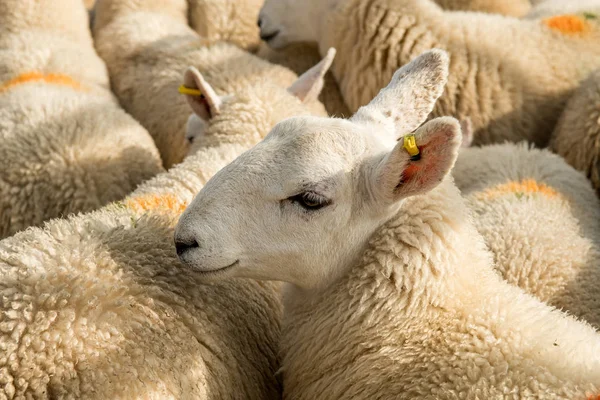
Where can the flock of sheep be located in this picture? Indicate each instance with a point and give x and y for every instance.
(162, 169)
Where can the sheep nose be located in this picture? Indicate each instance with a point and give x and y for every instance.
(182, 246)
(259, 23)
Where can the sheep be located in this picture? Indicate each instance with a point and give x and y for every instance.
(515, 8)
(541, 220)
(95, 306)
(145, 44)
(578, 130)
(67, 146)
(391, 292)
(507, 95)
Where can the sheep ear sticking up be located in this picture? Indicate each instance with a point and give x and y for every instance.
(398, 175)
(308, 86)
(404, 104)
(205, 106)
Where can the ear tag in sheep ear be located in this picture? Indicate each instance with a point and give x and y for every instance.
(410, 145)
(190, 91)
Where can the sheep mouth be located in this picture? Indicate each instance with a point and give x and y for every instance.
(269, 36)
(219, 271)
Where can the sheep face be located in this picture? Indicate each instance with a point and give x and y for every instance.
(301, 205)
(283, 22)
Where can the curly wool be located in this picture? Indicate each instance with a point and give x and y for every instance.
(67, 146)
(540, 218)
(507, 96)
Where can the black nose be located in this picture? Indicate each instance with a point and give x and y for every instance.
(183, 246)
(259, 23)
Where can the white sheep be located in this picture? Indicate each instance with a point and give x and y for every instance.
(393, 293)
(541, 220)
(512, 77)
(66, 145)
(577, 134)
(145, 46)
(96, 306)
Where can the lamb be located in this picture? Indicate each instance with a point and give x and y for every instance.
(391, 290)
(67, 146)
(577, 134)
(96, 306)
(541, 220)
(507, 95)
(154, 44)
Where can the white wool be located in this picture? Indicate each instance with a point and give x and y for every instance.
(67, 146)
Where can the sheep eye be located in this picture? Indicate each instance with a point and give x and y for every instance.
(310, 201)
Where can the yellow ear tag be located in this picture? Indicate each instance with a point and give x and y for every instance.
(410, 144)
(189, 91)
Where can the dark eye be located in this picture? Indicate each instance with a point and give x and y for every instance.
(310, 200)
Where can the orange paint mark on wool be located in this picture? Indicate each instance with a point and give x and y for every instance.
(567, 24)
(53, 79)
(519, 189)
(166, 202)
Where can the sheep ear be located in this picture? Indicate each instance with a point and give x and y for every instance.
(399, 175)
(308, 86)
(466, 126)
(404, 104)
(207, 105)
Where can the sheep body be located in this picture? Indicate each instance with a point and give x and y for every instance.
(149, 41)
(507, 95)
(539, 217)
(67, 146)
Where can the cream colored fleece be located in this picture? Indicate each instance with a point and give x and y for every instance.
(424, 316)
(67, 146)
(96, 306)
(577, 135)
(147, 50)
(541, 220)
(510, 77)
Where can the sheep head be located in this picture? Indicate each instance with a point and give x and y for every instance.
(301, 205)
(259, 106)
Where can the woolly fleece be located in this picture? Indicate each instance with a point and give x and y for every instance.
(540, 218)
(511, 77)
(67, 146)
(97, 306)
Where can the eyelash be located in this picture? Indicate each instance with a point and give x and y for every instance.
(310, 201)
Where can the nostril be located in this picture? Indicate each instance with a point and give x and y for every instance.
(183, 246)
(259, 23)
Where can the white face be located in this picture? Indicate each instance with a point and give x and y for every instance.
(301, 205)
(283, 22)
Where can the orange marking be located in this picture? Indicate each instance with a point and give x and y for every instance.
(519, 189)
(54, 79)
(567, 24)
(166, 202)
